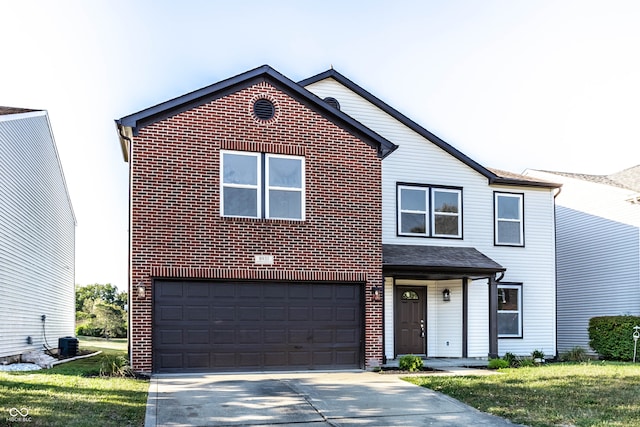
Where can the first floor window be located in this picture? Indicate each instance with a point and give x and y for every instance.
(247, 179)
(510, 310)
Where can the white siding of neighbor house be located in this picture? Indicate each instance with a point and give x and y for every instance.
(598, 247)
(420, 161)
(37, 233)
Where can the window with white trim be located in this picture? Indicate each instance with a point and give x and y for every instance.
(509, 219)
(259, 185)
(510, 310)
(426, 211)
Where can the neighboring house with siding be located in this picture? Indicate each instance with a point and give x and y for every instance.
(598, 249)
(37, 236)
(282, 225)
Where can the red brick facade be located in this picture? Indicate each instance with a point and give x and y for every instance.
(177, 229)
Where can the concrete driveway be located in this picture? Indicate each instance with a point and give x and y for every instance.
(294, 399)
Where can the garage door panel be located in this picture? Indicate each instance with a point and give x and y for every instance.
(196, 290)
(222, 313)
(277, 314)
(249, 314)
(299, 314)
(211, 326)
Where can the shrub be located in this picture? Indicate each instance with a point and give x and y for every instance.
(512, 359)
(537, 354)
(611, 336)
(498, 364)
(576, 354)
(115, 366)
(526, 362)
(410, 363)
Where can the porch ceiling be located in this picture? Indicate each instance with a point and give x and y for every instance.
(437, 262)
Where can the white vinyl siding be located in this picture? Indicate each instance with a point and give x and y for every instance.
(37, 233)
(598, 247)
(417, 160)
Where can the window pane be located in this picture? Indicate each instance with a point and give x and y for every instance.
(413, 200)
(508, 299)
(509, 232)
(285, 204)
(285, 172)
(508, 324)
(446, 224)
(445, 201)
(239, 169)
(410, 295)
(413, 223)
(508, 207)
(240, 201)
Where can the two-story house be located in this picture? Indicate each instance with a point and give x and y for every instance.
(282, 225)
(598, 248)
(468, 252)
(37, 236)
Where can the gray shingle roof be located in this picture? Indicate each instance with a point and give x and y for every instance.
(451, 261)
(628, 179)
(13, 110)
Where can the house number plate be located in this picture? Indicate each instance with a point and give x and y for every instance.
(263, 259)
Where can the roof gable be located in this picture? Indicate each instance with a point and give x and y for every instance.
(130, 125)
(492, 175)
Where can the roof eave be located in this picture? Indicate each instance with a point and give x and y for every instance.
(497, 180)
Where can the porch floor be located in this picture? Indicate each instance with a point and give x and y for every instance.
(444, 363)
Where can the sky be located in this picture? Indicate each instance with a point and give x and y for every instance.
(545, 84)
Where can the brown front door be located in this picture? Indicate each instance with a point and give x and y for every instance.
(410, 320)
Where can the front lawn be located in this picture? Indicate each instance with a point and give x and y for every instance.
(71, 394)
(559, 394)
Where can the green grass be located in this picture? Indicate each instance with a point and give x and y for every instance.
(562, 394)
(70, 394)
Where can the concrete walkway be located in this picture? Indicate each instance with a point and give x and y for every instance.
(294, 399)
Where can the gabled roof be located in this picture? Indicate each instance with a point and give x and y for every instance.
(130, 125)
(494, 178)
(629, 179)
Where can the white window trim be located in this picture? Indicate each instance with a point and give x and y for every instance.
(301, 190)
(520, 220)
(434, 213)
(518, 287)
(410, 211)
(257, 187)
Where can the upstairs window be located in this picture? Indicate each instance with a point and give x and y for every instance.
(247, 179)
(509, 219)
(429, 211)
(510, 310)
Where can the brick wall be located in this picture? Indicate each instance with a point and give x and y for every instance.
(177, 230)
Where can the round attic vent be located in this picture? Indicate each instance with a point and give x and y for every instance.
(264, 109)
(333, 102)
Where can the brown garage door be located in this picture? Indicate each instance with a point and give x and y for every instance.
(241, 326)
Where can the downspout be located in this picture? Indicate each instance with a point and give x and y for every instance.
(127, 154)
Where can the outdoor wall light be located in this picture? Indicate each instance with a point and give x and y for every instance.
(377, 293)
(446, 295)
(142, 291)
